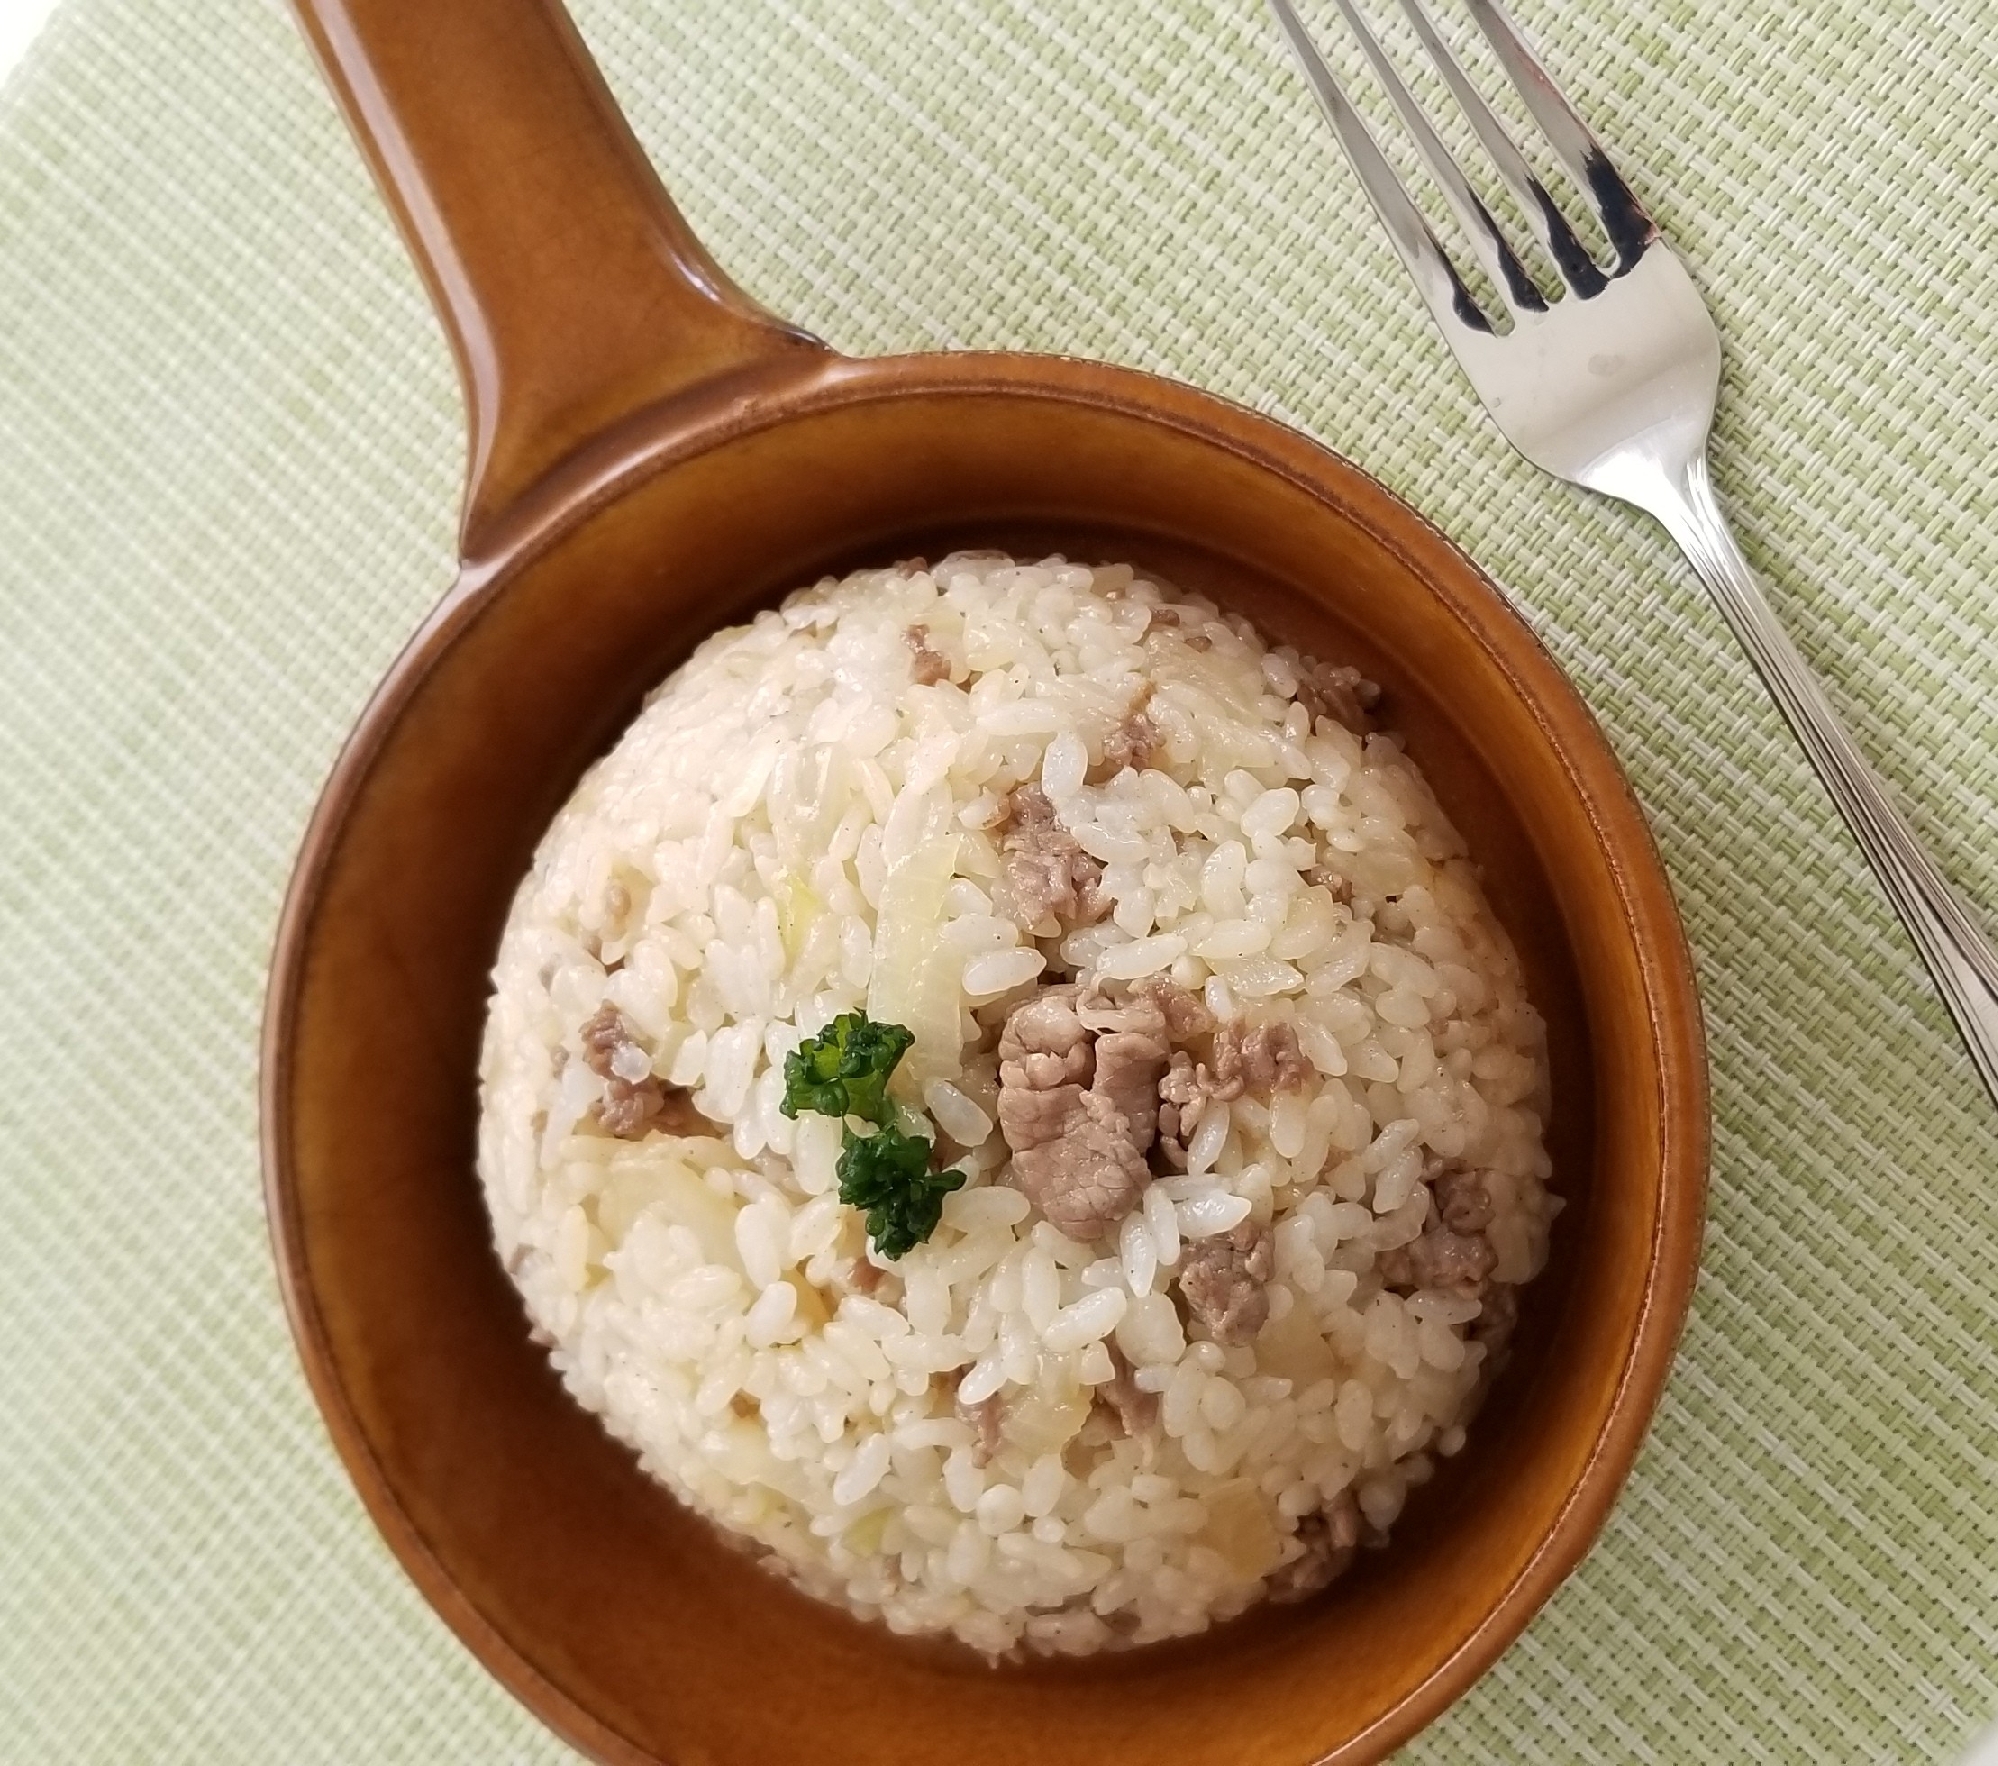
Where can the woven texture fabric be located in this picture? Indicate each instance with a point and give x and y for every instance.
(229, 445)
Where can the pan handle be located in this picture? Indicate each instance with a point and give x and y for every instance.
(573, 293)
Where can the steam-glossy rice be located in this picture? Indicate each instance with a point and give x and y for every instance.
(792, 829)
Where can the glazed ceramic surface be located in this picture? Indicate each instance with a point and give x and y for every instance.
(652, 457)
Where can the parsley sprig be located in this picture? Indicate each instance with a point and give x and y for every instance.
(844, 1072)
(888, 1173)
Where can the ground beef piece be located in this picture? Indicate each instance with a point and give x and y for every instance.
(1135, 1409)
(1463, 1203)
(1043, 873)
(1330, 1538)
(1186, 1014)
(1440, 1259)
(603, 1035)
(1223, 1280)
(1132, 744)
(1324, 877)
(633, 1096)
(1089, 1175)
(1261, 1058)
(1495, 1323)
(635, 1099)
(1078, 1155)
(1342, 694)
(1128, 1064)
(1188, 621)
(1180, 1098)
(926, 666)
(627, 1110)
(1130, 1053)
(1186, 1086)
(677, 1114)
(1044, 1039)
(988, 1421)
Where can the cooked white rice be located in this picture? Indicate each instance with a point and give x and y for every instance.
(720, 878)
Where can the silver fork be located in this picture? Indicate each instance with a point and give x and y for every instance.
(1612, 386)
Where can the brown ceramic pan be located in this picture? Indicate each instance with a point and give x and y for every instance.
(652, 456)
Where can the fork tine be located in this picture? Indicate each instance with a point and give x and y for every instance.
(1629, 228)
(1570, 255)
(1436, 277)
(1487, 240)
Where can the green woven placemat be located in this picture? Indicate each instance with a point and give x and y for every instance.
(229, 442)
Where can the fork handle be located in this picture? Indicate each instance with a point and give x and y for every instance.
(1958, 954)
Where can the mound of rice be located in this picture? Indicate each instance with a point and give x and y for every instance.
(1007, 1435)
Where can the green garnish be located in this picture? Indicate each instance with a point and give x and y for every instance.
(888, 1173)
(843, 1071)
